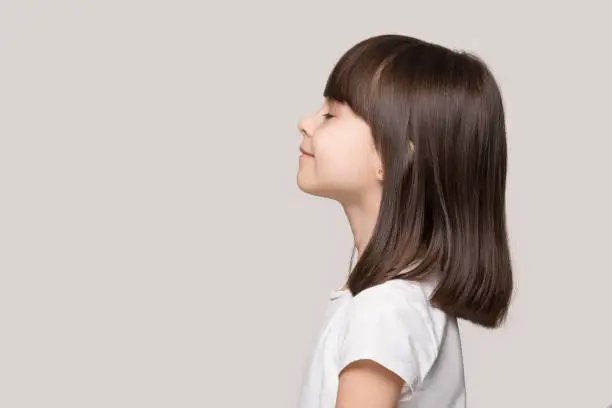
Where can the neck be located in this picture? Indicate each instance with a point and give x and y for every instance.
(362, 216)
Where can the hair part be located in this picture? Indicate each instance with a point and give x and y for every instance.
(443, 203)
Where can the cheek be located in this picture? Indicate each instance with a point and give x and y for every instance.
(343, 157)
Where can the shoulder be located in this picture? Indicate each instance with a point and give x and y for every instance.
(393, 324)
(400, 307)
(395, 294)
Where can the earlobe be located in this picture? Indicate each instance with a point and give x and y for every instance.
(379, 174)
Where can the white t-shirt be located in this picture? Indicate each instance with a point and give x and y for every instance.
(394, 324)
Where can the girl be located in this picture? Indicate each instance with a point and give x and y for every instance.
(411, 141)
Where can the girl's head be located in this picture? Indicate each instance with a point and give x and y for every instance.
(422, 127)
(345, 164)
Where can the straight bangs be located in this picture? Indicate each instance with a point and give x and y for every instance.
(356, 77)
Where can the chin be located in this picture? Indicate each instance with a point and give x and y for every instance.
(307, 186)
(310, 187)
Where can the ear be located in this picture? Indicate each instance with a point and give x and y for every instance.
(378, 165)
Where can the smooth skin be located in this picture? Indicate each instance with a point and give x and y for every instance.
(367, 384)
(347, 168)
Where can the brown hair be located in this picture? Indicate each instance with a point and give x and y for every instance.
(443, 204)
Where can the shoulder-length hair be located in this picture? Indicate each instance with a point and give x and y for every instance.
(437, 120)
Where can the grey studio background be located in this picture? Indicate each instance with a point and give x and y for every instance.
(155, 250)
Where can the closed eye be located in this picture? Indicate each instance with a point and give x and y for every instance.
(328, 115)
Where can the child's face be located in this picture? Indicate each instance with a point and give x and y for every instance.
(345, 163)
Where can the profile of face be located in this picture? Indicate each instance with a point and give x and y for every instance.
(339, 159)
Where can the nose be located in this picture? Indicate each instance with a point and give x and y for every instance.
(304, 126)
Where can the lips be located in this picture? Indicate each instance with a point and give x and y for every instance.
(306, 152)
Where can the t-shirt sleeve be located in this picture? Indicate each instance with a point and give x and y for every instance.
(386, 327)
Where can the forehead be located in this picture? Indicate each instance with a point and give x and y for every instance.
(334, 104)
